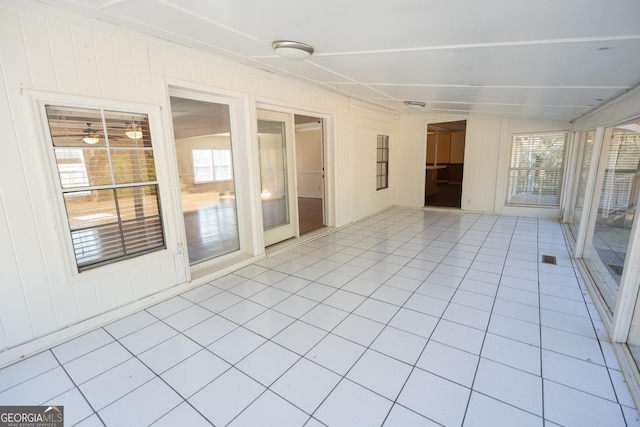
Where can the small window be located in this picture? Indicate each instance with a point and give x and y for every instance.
(536, 169)
(211, 165)
(382, 172)
(108, 183)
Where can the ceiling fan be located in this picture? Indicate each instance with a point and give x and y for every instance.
(90, 136)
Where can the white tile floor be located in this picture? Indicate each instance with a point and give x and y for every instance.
(408, 318)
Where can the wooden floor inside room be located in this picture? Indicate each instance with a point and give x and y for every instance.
(310, 214)
(446, 195)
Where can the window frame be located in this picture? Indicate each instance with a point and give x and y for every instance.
(76, 275)
(536, 169)
(382, 162)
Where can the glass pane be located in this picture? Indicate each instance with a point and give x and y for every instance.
(582, 181)
(98, 244)
(605, 255)
(138, 202)
(536, 169)
(535, 187)
(75, 127)
(202, 165)
(133, 166)
(273, 173)
(201, 129)
(127, 130)
(87, 209)
(142, 234)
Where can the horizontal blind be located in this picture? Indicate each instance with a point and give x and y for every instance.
(536, 168)
(621, 173)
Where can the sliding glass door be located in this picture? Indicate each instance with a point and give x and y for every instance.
(202, 134)
(585, 167)
(605, 252)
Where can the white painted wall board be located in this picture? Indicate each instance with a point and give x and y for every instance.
(64, 58)
(105, 292)
(13, 307)
(143, 75)
(480, 164)
(86, 61)
(36, 39)
(108, 76)
(123, 286)
(123, 61)
(87, 299)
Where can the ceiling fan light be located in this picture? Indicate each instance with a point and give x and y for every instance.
(91, 139)
(415, 105)
(133, 134)
(292, 50)
(134, 131)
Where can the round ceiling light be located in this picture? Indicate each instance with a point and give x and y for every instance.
(295, 51)
(415, 105)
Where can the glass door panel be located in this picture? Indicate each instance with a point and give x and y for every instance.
(605, 254)
(202, 134)
(585, 165)
(277, 176)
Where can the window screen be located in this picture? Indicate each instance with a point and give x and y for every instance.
(108, 183)
(536, 169)
(382, 172)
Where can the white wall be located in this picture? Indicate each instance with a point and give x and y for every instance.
(367, 125)
(46, 53)
(510, 127)
(486, 152)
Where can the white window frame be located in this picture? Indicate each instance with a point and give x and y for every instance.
(39, 100)
(560, 170)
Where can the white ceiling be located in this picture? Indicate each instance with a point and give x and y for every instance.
(554, 59)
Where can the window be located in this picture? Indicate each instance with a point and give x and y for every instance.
(536, 169)
(108, 183)
(382, 173)
(211, 165)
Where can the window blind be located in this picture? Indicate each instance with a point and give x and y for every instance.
(536, 169)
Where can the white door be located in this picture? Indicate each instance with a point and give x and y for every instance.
(277, 176)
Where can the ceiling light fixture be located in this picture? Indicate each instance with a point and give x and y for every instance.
(134, 131)
(295, 51)
(415, 105)
(90, 136)
(91, 139)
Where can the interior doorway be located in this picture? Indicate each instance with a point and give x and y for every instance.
(309, 172)
(444, 166)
